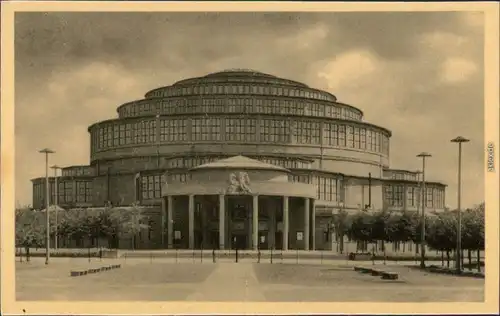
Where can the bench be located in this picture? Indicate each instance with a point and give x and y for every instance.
(359, 256)
(78, 273)
(376, 272)
(363, 269)
(389, 276)
(97, 270)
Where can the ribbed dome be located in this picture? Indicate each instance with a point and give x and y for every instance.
(239, 72)
(239, 75)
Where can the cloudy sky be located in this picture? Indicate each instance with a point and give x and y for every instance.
(417, 74)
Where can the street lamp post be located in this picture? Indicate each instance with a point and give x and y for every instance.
(419, 202)
(423, 196)
(47, 151)
(56, 198)
(458, 262)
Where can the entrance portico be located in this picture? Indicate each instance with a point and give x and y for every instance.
(238, 203)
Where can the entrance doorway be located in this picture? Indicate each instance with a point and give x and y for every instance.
(239, 241)
(240, 208)
(263, 240)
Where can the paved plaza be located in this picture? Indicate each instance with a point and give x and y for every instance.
(196, 280)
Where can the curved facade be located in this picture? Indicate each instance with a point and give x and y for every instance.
(321, 141)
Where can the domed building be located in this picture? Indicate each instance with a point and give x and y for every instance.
(239, 159)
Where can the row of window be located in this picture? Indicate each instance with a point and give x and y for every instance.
(67, 192)
(266, 130)
(237, 105)
(124, 165)
(151, 185)
(254, 89)
(328, 189)
(77, 171)
(141, 132)
(395, 196)
(400, 176)
(190, 162)
(355, 137)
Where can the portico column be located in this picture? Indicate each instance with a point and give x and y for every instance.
(170, 222)
(313, 224)
(191, 221)
(222, 220)
(272, 224)
(306, 224)
(255, 223)
(285, 223)
(163, 219)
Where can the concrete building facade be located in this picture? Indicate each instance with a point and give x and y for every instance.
(303, 155)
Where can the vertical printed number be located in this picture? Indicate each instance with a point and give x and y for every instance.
(491, 157)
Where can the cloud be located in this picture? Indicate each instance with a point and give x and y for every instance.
(308, 38)
(349, 68)
(419, 74)
(455, 70)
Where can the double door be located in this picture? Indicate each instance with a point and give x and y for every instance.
(239, 241)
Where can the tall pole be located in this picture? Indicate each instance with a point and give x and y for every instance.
(458, 252)
(47, 151)
(423, 155)
(56, 203)
(459, 206)
(419, 200)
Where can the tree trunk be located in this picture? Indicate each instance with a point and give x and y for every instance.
(404, 247)
(469, 255)
(341, 240)
(373, 254)
(478, 260)
(27, 254)
(385, 254)
(462, 258)
(442, 258)
(447, 258)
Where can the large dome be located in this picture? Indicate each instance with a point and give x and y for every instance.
(242, 91)
(240, 75)
(243, 112)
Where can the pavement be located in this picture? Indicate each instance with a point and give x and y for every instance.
(226, 281)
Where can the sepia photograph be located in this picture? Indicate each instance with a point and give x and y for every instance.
(251, 156)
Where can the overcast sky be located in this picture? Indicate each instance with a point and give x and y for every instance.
(418, 74)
